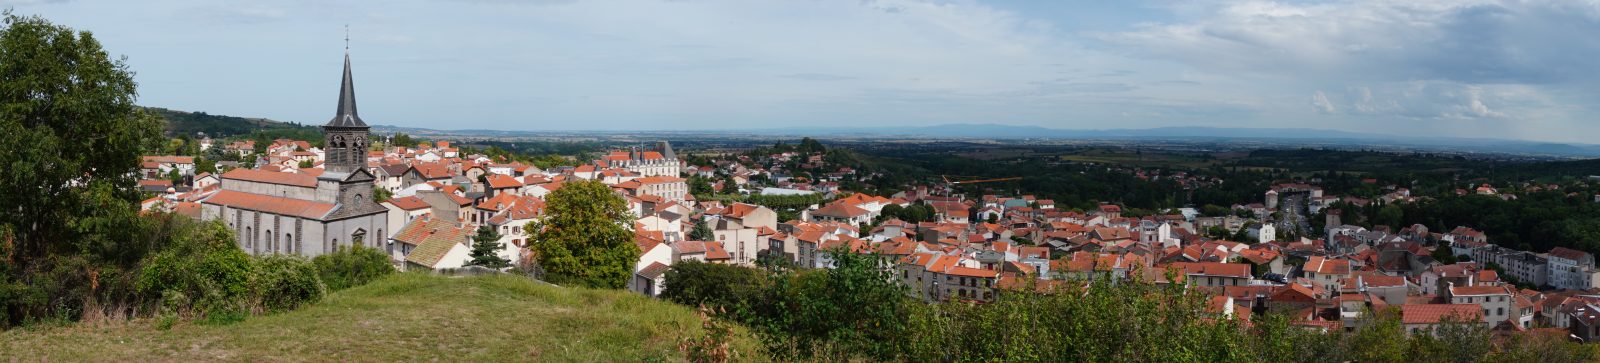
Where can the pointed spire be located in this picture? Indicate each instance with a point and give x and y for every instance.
(346, 115)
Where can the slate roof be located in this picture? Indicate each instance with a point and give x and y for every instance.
(346, 115)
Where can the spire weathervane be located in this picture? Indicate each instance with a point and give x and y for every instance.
(347, 38)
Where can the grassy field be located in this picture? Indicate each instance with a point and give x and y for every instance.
(406, 317)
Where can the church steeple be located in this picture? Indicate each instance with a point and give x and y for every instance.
(345, 136)
(346, 115)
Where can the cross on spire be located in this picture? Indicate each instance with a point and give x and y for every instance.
(347, 38)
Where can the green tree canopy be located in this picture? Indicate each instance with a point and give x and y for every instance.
(584, 237)
(72, 134)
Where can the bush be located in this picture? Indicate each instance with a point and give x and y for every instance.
(284, 282)
(350, 267)
(727, 288)
(199, 273)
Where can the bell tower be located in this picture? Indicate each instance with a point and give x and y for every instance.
(345, 136)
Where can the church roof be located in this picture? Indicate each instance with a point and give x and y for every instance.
(271, 177)
(346, 115)
(270, 204)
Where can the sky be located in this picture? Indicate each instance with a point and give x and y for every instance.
(1517, 69)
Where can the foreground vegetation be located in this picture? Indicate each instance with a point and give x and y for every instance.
(857, 312)
(402, 317)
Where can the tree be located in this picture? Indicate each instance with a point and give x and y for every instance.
(73, 134)
(380, 194)
(700, 186)
(729, 186)
(1443, 254)
(486, 249)
(403, 140)
(1389, 215)
(701, 231)
(584, 237)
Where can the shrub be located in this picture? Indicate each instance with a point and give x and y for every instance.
(200, 272)
(284, 282)
(349, 267)
(727, 288)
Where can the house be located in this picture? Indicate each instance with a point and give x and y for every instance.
(1213, 273)
(667, 187)
(1585, 322)
(166, 164)
(206, 180)
(1426, 318)
(1263, 261)
(649, 273)
(844, 213)
(971, 284)
(1525, 266)
(650, 280)
(434, 243)
(1329, 273)
(1572, 269)
(1496, 301)
(403, 210)
(702, 251)
(745, 215)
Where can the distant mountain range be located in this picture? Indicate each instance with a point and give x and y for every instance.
(181, 122)
(1320, 136)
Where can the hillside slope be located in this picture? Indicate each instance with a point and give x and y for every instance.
(189, 123)
(406, 317)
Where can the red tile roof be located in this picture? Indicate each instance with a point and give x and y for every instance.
(270, 204)
(498, 181)
(271, 177)
(1434, 313)
(840, 211)
(1214, 269)
(972, 272)
(407, 203)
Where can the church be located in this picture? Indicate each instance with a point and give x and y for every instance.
(308, 214)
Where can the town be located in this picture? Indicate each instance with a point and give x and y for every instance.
(170, 235)
(291, 198)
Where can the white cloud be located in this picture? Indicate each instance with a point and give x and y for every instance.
(1515, 62)
(1320, 101)
(1364, 65)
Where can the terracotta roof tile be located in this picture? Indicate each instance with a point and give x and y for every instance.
(271, 177)
(271, 204)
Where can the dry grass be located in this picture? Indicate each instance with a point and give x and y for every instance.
(406, 317)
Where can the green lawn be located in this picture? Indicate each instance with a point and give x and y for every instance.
(406, 317)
